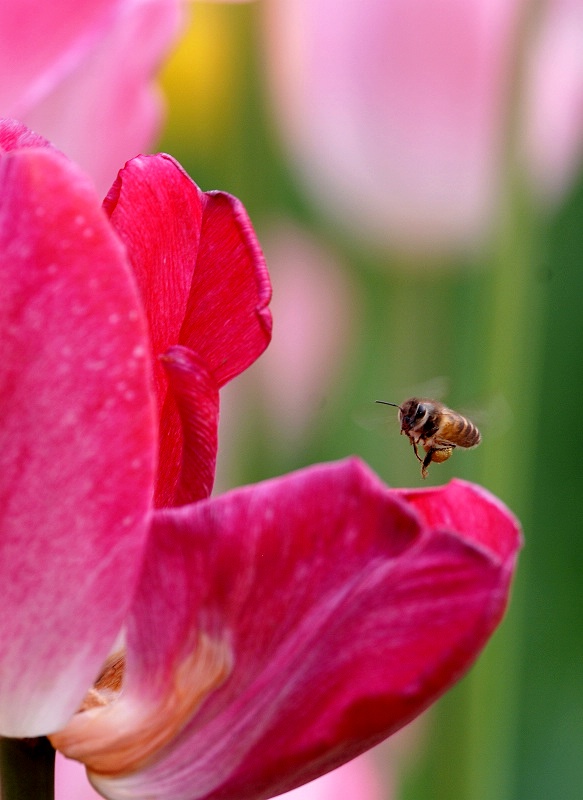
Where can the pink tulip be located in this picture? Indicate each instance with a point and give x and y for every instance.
(397, 112)
(269, 634)
(553, 117)
(82, 74)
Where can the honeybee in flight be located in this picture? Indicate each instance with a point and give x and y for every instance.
(438, 429)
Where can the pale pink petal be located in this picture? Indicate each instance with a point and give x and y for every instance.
(71, 781)
(356, 780)
(77, 434)
(106, 109)
(42, 42)
(202, 276)
(295, 624)
(394, 111)
(553, 120)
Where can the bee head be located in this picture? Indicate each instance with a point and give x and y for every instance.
(412, 415)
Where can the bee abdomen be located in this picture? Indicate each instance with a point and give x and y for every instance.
(463, 432)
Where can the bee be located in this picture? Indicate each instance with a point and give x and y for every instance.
(438, 429)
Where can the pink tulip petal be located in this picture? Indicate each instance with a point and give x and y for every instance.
(157, 211)
(295, 623)
(201, 273)
(459, 506)
(41, 42)
(213, 266)
(78, 97)
(228, 321)
(197, 397)
(77, 439)
(14, 136)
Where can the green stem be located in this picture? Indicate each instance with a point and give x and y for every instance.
(27, 769)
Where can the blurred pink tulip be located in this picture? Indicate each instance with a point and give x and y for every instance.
(396, 111)
(356, 780)
(269, 634)
(82, 74)
(553, 119)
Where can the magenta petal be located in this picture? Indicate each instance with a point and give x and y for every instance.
(187, 465)
(77, 439)
(198, 264)
(295, 623)
(460, 506)
(228, 322)
(157, 211)
(202, 277)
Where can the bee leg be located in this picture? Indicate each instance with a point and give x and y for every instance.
(426, 462)
(416, 453)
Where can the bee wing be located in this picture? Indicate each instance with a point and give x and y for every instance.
(492, 417)
(436, 388)
(373, 416)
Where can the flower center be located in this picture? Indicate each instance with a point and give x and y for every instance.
(120, 728)
(108, 685)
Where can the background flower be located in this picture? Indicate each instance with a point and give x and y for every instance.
(82, 74)
(397, 114)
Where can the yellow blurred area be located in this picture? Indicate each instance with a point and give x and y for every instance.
(201, 79)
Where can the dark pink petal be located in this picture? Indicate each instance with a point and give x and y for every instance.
(294, 624)
(190, 473)
(227, 320)
(198, 264)
(460, 506)
(77, 439)
(201, 274)
(157, 212)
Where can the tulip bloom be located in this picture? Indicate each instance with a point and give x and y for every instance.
(183, 646)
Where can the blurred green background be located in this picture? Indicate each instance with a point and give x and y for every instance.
(505, 335)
